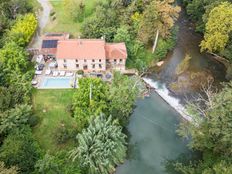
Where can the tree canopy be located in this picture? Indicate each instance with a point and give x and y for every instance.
(101, 146)
(218, 28)
(90, 99)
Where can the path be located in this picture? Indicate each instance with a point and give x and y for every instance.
(43, 21)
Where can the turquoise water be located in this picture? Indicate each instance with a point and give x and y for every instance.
(153, 138)
(56, 82)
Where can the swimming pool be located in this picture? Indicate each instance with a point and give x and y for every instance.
(57, 82)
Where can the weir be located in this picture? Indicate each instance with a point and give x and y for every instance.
(163, 92)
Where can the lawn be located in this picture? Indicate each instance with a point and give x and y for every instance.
(51, 108)
(63, 22)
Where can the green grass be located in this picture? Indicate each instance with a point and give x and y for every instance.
(51, 108)
(63, 22)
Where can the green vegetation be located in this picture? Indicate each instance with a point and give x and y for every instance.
(101, 146)
(62, 20)
(52, 108)
(89, 99)
(210, 133)
(212, 18)
(20, 149)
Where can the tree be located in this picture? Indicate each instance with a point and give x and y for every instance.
(210, 132)
(158, 18)
(14, 57)
(103, 24)
(20, 149)
(89, 99)
(4, 170)
(75, 9)
(23, 30)
(122, 96)
(101, 146)
(218, 28)
(14, 118)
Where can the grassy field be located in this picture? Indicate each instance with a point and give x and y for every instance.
(63, 22)
(51, 108)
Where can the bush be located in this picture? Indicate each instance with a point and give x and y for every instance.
(80, 72)
(20, 149)
(63, 133)
(33, 120)
(184, 65)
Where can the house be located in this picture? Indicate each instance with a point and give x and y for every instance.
(87, 54)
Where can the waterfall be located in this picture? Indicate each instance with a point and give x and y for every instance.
(163, 92)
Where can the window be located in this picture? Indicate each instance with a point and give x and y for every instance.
(76, 60)
(100, 66)
(85, 60)
(65, 61)
(100, 60)
(115, 60)
(65, 66)
(120, 60)
(85, 67)
(93, 66)
(77, 65)
(93, 60)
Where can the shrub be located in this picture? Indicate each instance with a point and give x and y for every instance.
(20, 149)
(80, 72)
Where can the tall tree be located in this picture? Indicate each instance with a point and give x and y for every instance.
(14, 57)
(101, 146)
(210, 132)
(218, 28)
(20, 149)
(89, 99)
(158, 18)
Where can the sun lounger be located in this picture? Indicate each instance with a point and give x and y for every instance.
(62, 73)
(34, 82)
(69, 74)
(48, 72)
(38, 72)
(55, 73)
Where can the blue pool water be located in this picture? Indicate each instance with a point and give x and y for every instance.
(57, 82)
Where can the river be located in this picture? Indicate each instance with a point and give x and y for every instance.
(153, 138)
(152, 126)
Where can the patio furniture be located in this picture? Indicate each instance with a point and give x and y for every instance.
(38, 72)
(52, 65)
(55, 73)
(48, 72)
(70, 74)
(39, 58)
(62, 73)
(34, 82)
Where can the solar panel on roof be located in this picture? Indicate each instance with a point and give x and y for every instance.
(49, 44)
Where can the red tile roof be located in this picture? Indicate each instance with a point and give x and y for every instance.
(81, 49)
(116, 51)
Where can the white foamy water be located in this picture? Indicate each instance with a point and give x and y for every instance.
(163, 92)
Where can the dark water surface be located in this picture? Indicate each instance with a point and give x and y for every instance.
(153, 138)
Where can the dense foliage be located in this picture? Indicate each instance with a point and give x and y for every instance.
(101, 146)
(89, 99)
(213, 19)
(211, 133)
(20, 149)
